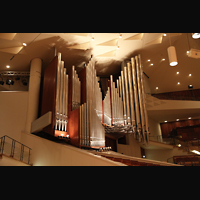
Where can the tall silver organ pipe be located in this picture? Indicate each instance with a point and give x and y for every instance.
(61, 96)
(107, 108)
(144, 101)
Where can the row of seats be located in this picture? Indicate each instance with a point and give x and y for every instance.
(187, 160)
(129, 162)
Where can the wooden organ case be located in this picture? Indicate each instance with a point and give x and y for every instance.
(75, 101)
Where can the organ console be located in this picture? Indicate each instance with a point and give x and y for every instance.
(77, 107)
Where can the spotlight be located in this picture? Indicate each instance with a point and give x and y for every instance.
(9, 82)
(24, 82)
(190, 86)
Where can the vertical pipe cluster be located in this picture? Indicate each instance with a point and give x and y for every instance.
(107, 108)
(76, 90)
(91, 130)
(116, 103)
(127, 101)
(61, 96)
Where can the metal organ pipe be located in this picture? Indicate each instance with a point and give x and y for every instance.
(127, 95)
(131, 95)
(144, 102)
(124, 96)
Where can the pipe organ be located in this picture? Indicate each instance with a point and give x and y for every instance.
(126, 104)
(78, 112)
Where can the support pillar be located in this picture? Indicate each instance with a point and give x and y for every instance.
(34, 91)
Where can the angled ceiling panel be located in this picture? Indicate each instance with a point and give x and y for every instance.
(7, 36)
(138, 36)
(83, 46)
(109, 43)
(108, 54)
(79, 34)
(156, 41)
(12, 50)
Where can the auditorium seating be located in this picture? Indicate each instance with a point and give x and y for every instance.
(190, 160)
(129, 160)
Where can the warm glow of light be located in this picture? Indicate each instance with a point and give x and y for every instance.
(195, 151)
(173, 63)
(7, 66)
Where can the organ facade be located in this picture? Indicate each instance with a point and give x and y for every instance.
(78, 111)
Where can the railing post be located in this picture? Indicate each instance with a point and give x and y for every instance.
(29, 156)
(2, 144)
(12, 148)
(22, 152)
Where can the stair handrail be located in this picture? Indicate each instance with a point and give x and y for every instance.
(2, 142)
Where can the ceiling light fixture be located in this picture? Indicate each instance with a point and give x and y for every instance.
(164, 34)
(190, 74)
(163, 59)
(156, 88)
(172, 56)
(24, 44)
(120, 35)
(7, 66)
(190, 86)
(165, 121)
(177, 120)
(189, 117)
(151, 64)
(149, 60)
(9, 82)
(177, 72)
(178, 83)
(195, 35)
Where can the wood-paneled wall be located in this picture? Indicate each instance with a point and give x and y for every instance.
(193, 95)
(49, 93)
(167, 127)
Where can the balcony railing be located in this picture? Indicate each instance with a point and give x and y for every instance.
(15, 149)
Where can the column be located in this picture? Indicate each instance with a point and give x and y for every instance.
(34, 91)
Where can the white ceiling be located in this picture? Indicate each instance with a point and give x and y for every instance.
(161, 75)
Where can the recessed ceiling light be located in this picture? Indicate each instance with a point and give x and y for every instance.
(156, 88)
(7, 66)
(149, 60)
(178, 83)
(163, 59)
(189, 117)
(24, 44)
(151, 64)
(165, 121)
(177, 119)
(190, 86)
(188, 52)
(190, 74)
(164, 34)
(177, 72)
